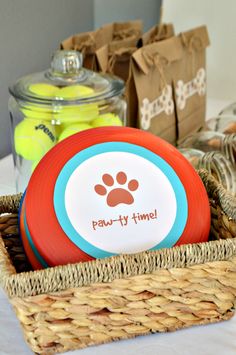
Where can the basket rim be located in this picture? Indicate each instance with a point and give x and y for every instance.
(225, 199)
(59, 278)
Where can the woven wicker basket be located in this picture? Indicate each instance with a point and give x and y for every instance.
(74, 306)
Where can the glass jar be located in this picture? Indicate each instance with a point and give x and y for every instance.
(229, 110)
(192, 155)
(49, 106)
(217, 165)
(222, 124)
(209, 141)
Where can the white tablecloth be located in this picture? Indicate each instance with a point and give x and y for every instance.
(214, 339)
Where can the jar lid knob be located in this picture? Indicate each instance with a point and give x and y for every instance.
(66, 62)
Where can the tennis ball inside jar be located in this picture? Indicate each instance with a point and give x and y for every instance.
(72, 129)
(107, 119)
(34, 138)
(48, 106)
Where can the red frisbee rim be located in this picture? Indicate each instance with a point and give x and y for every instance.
(47, 234)
(28, 250)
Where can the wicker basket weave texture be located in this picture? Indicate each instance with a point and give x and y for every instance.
(74, 306)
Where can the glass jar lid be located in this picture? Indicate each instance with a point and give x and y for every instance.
(67, 82)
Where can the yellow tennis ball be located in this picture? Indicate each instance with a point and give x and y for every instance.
(73, 129)
(107, 119)
(58, 130)
(34, 164)
(73, 91)
(43, 89)
(75, 113)
(33, 138)
(58, 111)
(41, 113)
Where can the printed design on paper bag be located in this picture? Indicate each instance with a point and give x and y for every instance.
(163, 103)
(195, 86)
(118, 194)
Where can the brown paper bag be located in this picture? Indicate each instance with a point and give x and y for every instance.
(90, 42)
(87, 43)
(115, 57)
(129, 29)
(156, 33)
(189, 77)
(151, 83)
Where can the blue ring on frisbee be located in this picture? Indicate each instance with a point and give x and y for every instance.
(19, 212)
(31, 243)
(72, 164)
(28, 250)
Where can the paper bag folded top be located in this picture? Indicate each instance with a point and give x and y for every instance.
(157, 33)
(89, 42)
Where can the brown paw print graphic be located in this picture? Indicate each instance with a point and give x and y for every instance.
(117, 195)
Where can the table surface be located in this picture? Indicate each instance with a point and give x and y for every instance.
(212, 339)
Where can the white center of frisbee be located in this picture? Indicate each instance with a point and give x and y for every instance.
(120, 202)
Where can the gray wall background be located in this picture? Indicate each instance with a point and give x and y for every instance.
(106, 11)
(30, 30)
